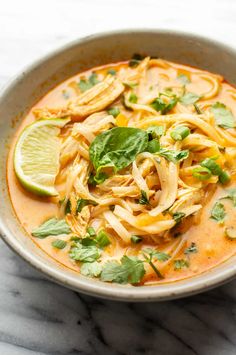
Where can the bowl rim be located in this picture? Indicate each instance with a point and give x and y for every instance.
(91, 287)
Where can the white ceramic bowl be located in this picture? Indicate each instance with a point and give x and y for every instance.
(21, 94)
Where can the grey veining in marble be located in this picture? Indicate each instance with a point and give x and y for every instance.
(38, 317)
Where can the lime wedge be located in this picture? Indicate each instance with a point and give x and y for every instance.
(36, 156)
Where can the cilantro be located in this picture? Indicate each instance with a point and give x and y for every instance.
(174, 156)
(156, 254)
(197, 109)
(93, 269)
(85, 85)
(161, 106)
(231, 196)
(143, 199)
(85, 253)
(68, 207)
(223, 116)
(178, 216)
(184, 79)
(81, 203)
(59, 244)
(136, 59)
(189, 98)
(218, 212)
(129, 269)
(180, 264)
(111, 71)
(52, 226)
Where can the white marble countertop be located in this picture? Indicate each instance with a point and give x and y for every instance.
(39, 317)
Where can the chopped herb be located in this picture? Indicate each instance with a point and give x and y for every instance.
(59, 244)
(85, 253)
(74, 238)
(114, 111)
(111, 71)
(136, 59)
(155, 131)
(197, 109)
(189, 98)
(178, 216)
(93, 269)
(112, 207)
(184, 79)
(133, 98)
(85, 85)
(179, 133)
(129, 269)
(174, 156)
(143, 199)
(81, 203)
(218, 212)
(156, 254)
(230, 233)
(150, 254)
(223, 116)
(161, 106)
(201, 173)
(192, 249)
(231, 196)
(52, 226)
(136, 239)
(102, 239)
(180, 264)
(91, 231)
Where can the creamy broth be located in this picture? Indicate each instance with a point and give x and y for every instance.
(198, 230)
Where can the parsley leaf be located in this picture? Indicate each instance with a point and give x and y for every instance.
(130, 269)
(91, 269)
(189, 98)
(52, 226)
(180, 264)
(218, 212)
(223, 116)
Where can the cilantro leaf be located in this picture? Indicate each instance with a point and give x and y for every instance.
(189, 98)
(223, 116)
(59, 244)
(156, 254)
(136, 59)
(161, 106)
(85, 85)
(218, 212)
(130, 269)
(178, 216)
(174, 156)
(52, 226)
(114, 111)
(81, 203)
(91, 269)
(84, 253)
(231, 196)
(183, 78)
(143, 199)
(180, 264)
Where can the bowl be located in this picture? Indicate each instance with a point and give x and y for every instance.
(36, 80)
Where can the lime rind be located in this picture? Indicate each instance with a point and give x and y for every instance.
(36, 156)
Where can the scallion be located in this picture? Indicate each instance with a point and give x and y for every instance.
(179, 133)
(201, 173)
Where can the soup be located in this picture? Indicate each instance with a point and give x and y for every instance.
(126, 172)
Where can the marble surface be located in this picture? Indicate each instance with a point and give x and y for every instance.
(39, 317)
